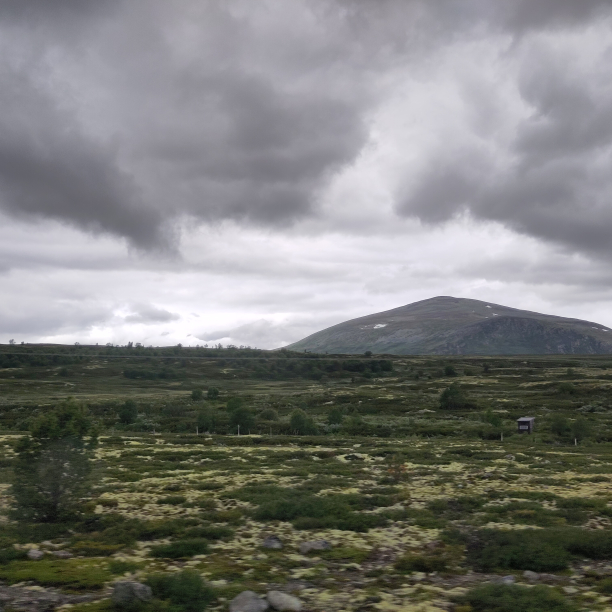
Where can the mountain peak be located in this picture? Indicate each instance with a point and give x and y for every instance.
(447, 325)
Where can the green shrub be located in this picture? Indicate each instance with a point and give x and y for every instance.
(210, 532)
(128, 412)
(532, 550)
(186, 591)
(454, 398)
(212, 393)
(268, 415)
(514, 598)
(180, 549)
(197, 395)
(420, 563)
(301, 424)
(335, 416)
(11, 554)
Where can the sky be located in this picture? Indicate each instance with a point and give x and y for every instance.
(248, 173)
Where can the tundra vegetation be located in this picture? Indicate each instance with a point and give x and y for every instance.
(410, 467)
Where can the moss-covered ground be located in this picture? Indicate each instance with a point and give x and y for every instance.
(421, 505)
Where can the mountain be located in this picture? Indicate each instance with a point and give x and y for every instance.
(456, 326)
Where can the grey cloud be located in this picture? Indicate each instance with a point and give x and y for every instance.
(555, 180)
(150, 315)
(49, 169)
(127, 116)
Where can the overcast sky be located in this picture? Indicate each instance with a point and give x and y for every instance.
(250, 172)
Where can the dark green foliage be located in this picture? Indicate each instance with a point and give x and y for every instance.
(580, 428)
(121, 567)
(185, 591)
(53, 465)
(301, 424)
(210, 532)
(567, 388)
(212, 393)
(559, 425)
(180, 549)
(128, 412)
(206, 421)
(514, 598)
(241, 417)
(335, 416)
(197, 395)
(11, 554)
(268, 414)
(449, 370)
(309, 512)
(454, 398)
(539, 550)
(233, 404)
(420, 563)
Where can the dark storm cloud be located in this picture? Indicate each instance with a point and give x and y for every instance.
(49, 169)
(122, 117)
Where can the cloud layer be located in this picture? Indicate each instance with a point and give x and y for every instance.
(269, 166)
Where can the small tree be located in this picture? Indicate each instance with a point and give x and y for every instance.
(301, 423)
(454, 398)
(212, 393)
(580, 429)
(449, 370)
(233, 404)
(128, 412)
(559, 425)
(335, 416)
(197, 395)
(53, 464)
(206, 421)
(242, 418)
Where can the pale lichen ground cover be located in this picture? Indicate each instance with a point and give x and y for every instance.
(368, 581)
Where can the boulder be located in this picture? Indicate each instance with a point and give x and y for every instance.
(62, 554)
(35, 554)
(127, 593)
(306, 547)
(531, 576)
(283, 602)
(248, 601)
(509, 457)
(507, 580)
(273, 542)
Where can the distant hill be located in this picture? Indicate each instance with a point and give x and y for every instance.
(456, 326)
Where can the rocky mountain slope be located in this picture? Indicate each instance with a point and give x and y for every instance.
(456, 326)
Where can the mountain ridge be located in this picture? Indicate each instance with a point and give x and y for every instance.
(445, 325)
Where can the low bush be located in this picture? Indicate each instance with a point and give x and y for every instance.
(210, 532)
(185, 591)
(118, 568)
(420, 563)
(180, 549)
(513, 598)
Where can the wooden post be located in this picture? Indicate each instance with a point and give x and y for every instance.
(238, 429)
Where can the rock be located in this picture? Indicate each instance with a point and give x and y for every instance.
(127, 592)
(509, 457)
(248, 601)
(35, 554)
(306, 547)
(273, 542)
(531, 576)
(62, 554)
(283, 602)
(507, 580)
(434, 545)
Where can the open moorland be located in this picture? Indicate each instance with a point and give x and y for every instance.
(236, 464)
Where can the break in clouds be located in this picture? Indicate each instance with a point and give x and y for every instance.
(155, 123)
